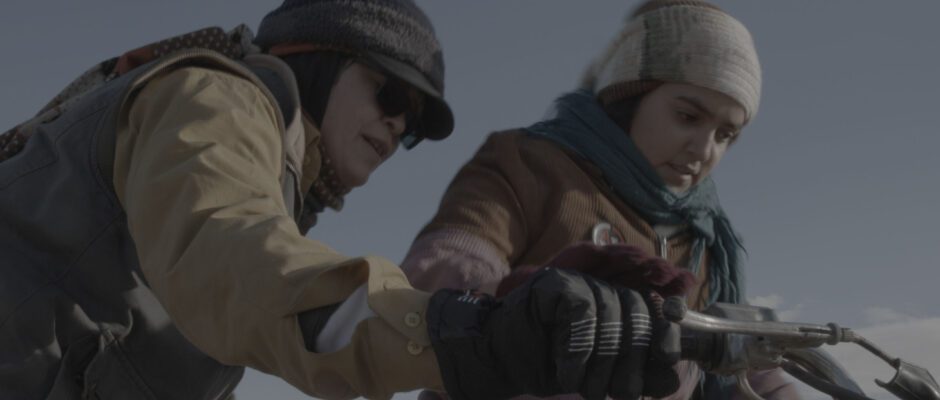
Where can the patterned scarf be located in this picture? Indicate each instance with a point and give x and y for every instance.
(581, 125)
(326, 191)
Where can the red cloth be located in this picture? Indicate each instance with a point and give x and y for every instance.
(619, 264)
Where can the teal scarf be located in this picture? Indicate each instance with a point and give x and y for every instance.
(579, 124)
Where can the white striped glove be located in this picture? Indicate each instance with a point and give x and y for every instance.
(560, 332)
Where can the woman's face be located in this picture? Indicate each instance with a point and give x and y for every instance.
(356, 132)
(684, 130)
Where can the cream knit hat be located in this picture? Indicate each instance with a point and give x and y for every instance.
(681, 41)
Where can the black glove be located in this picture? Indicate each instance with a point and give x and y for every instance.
(560, 332)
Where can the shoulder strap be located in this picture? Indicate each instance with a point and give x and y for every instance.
(278, 88)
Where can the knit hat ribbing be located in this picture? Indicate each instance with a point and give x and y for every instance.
(681, 41)
(395, 34)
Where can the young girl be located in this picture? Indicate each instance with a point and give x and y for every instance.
(624, 159)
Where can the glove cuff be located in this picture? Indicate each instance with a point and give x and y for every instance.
(455, 324)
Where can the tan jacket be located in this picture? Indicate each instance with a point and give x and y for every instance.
(198, 163)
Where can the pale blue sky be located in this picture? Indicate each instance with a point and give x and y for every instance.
(834, 185)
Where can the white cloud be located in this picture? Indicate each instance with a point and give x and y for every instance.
(776, 302)
(791, 314)
(883, 315)
(770, 301)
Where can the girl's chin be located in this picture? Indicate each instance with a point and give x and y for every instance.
(678, 187)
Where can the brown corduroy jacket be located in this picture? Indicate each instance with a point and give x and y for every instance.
(522, 199)
(527, 199)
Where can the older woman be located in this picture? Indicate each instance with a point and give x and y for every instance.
(625, 159)
(154, 215)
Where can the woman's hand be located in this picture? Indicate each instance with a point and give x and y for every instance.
(560, 332)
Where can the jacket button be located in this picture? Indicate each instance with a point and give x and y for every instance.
(412, 319)
(414, 348)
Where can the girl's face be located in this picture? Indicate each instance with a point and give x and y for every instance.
(684, 130)
(357, 133)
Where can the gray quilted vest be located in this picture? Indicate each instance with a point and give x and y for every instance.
(77, 320)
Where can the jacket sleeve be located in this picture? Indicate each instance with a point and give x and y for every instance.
(198, 162)
(481, 226)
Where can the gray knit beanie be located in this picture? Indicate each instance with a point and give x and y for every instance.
(680, 41)
(394, 34)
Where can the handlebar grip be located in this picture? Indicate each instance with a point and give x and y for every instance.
(700, 347)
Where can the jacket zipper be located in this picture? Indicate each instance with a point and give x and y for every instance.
(663, 234)
(663, 246)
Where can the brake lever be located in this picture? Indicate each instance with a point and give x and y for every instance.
(911, 382)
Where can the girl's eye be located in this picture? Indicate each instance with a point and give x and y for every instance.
(725, 135)
(686, 117)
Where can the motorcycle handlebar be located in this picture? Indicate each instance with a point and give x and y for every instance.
(758, 341)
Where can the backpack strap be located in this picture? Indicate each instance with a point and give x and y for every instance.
(278, 88)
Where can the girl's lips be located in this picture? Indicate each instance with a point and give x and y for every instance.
(683, 170)
(678, 176)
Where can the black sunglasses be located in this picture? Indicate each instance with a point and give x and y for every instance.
(395, 98)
